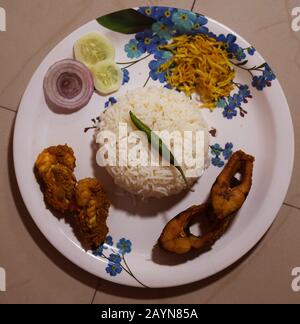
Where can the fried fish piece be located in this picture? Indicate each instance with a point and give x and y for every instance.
(177, 238)
(226, 197)
(93, 207)
(54, 170)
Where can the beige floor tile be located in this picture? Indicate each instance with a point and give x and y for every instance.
(268, 276)
(288, 71)
(263, 276)
(36, 272)
(243, 16)
(35, 26)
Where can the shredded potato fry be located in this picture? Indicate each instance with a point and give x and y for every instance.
(199, 64)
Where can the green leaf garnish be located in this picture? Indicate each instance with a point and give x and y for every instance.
(128, 21)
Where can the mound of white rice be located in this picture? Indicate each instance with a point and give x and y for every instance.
(161, 109)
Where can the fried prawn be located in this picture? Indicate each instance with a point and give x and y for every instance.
(54, 170)
(93, 206)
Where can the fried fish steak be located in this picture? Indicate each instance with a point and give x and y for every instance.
(227, 196)
(177, 238)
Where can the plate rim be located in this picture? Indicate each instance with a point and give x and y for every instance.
(290, 148)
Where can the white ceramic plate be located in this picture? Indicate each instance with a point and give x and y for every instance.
(265, 132)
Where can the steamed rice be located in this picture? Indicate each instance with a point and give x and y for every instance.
(160, 109)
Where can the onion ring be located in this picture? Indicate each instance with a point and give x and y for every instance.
(68, 86)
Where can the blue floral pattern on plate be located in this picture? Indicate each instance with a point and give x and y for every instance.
(171, 22)
(111, 101)
(115, 257)
(220, 155)
(126, 76)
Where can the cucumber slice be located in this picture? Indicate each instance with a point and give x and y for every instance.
(108, 77)
(93, 48)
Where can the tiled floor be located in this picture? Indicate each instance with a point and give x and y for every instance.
(36, 271)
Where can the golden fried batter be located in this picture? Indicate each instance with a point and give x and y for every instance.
(61, 154)
(225, 198)
(59, 186)
(94, 206)
(54, 169)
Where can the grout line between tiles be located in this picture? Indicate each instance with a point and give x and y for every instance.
(7, 109)
(96, 290)
(292, 206)
(193, 5)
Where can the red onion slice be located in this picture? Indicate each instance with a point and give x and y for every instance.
(68, 86)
